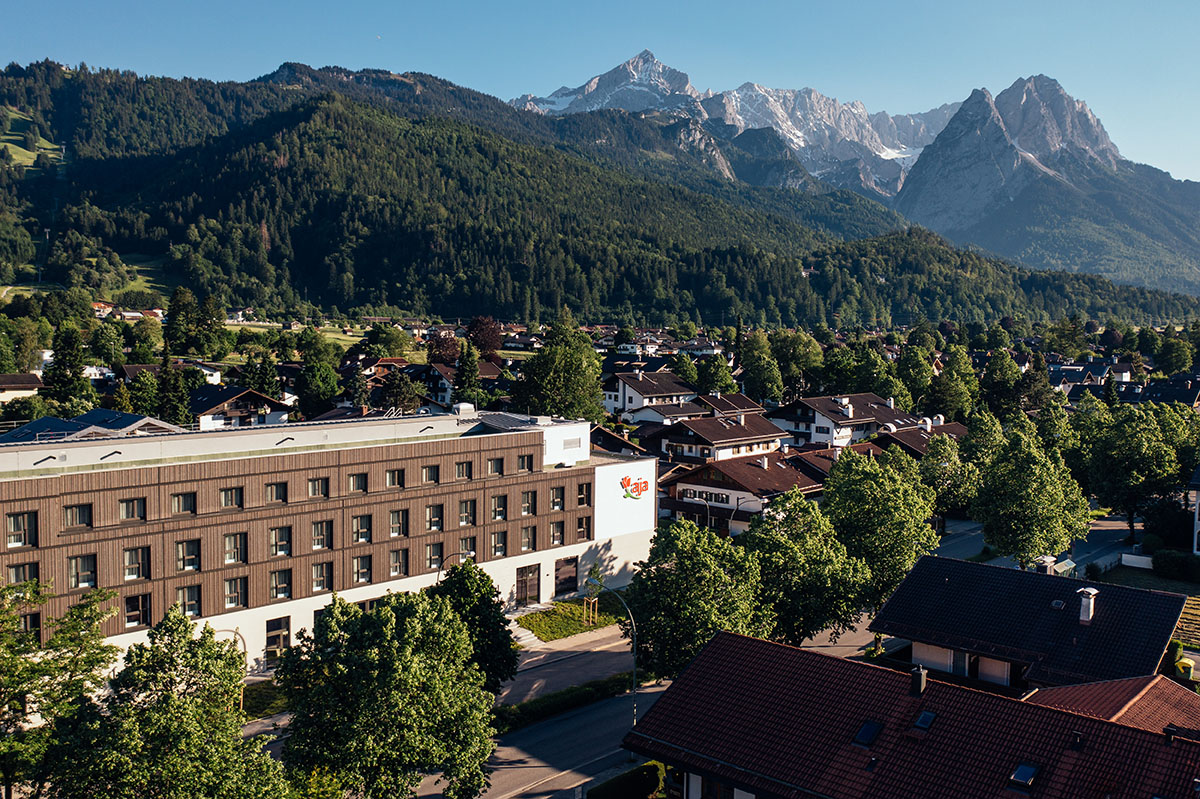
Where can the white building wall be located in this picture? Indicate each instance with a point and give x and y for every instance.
(932, 657)
(994, 671)
(565, 443)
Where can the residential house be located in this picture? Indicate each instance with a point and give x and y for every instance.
(605, 440)
(711, 438)
(915, 440)
(14, 386)
(216, 407)
(703, 405)
(840, 420)
(628, 391)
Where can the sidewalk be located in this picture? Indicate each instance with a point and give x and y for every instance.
(549, 666)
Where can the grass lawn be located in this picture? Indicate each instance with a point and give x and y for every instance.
(262, 699)
(150, 274)
(1188, 630)
(14, 141)
(566, 618)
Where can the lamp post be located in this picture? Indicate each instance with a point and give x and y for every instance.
(707, 512)
(735, 512)
(633, 629)
(246, 653)
(442, 565)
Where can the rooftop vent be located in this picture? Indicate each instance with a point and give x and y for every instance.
(868, 732)
(1045, 564)
(918, 680)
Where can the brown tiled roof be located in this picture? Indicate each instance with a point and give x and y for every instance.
(729, 403)
(655, 384)
(718, 430)
(866, 408)
(818, 462)
(778, 721)
(1149, 703)
(915, 440)
(748, 474)
(1032, 619)
(20, 380)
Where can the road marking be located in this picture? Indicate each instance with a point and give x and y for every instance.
(544, 780)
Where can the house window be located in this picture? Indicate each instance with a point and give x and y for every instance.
(322, 534)
(232, 497)
(235, 547)
(281, 584)
(81, 571)
(463, 470)
(137, 563)
(556, 533)
(22, 529)
(22, 573)
(362, 569)
(278, 637)
(499, 507)
(495, 466)
(137, 610)
(360, 529)
(188, 598)
(466, 546)
(322, 576)
(558, 496)
(395, 478)
(499, 543)
(398, 563)
(524, 463)
(528, 503)
(528, 539)
(433, 555)
(583, 497)
(133, 509)
(235, 592)
(277, 492)
(77, 515)
(398, 523)
(318, 487)
(187, 555)
(823, 429)
(433, 517)
(358, 483)
(583, 528)
(281, 541)
(431, 474)
(183, 503)
(466, 512)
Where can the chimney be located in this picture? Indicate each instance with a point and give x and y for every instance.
(763, 461)
(837, 453)
(1045, 564)
(638, 373)
(938, 420)
(926, 424)
(741, 417)
(891, 402)
(848, 409)
(784, 448)
(918, 680)
(717, 394)
(1087, 604)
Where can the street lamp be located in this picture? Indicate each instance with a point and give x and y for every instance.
(735, 511)
(633, 629)
(707, 512)
(442, 565)
(246, 653)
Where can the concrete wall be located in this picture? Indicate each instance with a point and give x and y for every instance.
(1137, 561)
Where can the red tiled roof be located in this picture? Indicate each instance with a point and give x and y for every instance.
(915, 440)
(726, 429)
(655, 384)
(1148, 703)
(781, 722)
(819, 461)
(748, 474)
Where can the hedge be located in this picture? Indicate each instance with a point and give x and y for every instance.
(643, 782)
(513, 717)
(1176, 565)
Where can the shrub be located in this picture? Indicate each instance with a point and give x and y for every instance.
(512, 717)
(1176, 565)
(1168, 519)
(1092, 571)
(643, 782)
(1174, 650)
(1151, 543)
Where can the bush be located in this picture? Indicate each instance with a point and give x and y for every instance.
(1174, 651)
(566, 618)
(262, 699)
(1168, 519)
(1092, 571)
(643, 782)
(513, 717)
(1151, 543)
(1176, 565)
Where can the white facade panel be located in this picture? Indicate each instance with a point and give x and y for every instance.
(932, 657)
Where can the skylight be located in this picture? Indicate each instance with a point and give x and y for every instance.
(1023, 776)
(868, 732)
(925, 720)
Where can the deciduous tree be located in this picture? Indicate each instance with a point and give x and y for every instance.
(563, 379)
(713, 375)
(475, 598)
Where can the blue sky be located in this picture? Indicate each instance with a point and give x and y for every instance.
(1135, 67)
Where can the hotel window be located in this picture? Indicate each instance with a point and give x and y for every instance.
(77, 515)
(463, 470)
(188, 598)
(433, 517)
(277, 492)
(466, 545)
(431, 474)
(187, 555)
(232, 497)
(322, 577)
(318, 486)
(495, 466)
(31, 623)
(22, 529)
(81, 571)
(499, 544)
(360, 529)
(398, 523)
(362, 569)
(528, 503)
(398, 563)
(322, 534)
(524, 463)
(137, 610)
(236, 590)
(22, 573)
(235, 547)
(583, 528)
(556, 533)
(278, 637)
(499, 507)
(281, 584)
(528, 539)
(137, 563)
(558, 496)
(281, 541)
(433, 555)
(466, 512)
(133, 509)
(183, 503)
(583, 497)
(395, 478)
(358, 483)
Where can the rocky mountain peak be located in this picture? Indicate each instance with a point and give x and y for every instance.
(1042, 119)
(643, 83)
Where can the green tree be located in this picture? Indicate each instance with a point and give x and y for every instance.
(1001, 385)
(316, 387)
(954, 481)
(211, 338)
(692, 585)
(484, 333)
(882, 517)
(760, 375)
(949, 396)
(408, 702)
(1175, 356)
(64, 378)
(181, 332)
(356, 388)
(261, 375)
(1028, 503)
(563, 379)
(143, 393)
(807, 577)
(475, 598)
(684, 368)
(1131, 464)
(467, 387)
(174, 397)
(1034, 386)
(170, 726)
(916, 372)
(799, 356)
(122, 399)
(984, 439)
(401, 391)
(41, 684)
(1090, 425)
(107, 345)
(713, 375)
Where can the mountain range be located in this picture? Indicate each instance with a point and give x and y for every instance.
(1029, 173)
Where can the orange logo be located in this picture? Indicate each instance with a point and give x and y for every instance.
(634, 488)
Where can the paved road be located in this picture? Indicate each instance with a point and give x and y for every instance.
(555, 665)
(964, 539)
(551, 758)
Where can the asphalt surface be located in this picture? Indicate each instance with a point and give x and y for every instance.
(555, 665)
